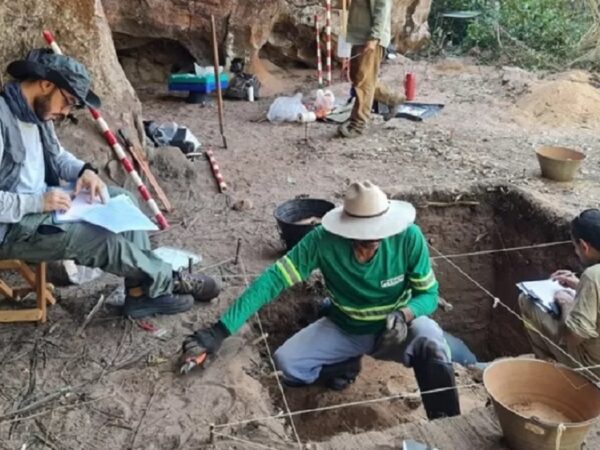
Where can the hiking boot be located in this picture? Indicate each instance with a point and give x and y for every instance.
(339, 376)
(143, 306)
(349, 130)
(202, 287)
(339, 383)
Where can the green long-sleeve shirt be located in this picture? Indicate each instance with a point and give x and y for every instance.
(370, 19)
(362, 294)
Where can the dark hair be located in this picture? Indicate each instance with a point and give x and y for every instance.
(586, 226)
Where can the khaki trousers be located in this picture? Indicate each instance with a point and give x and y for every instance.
(552, 329)
(364, 74)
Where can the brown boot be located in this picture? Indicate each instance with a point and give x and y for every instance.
(202, 287)
(349, 130)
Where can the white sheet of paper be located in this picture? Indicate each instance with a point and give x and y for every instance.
(117, 215)
(178, 258)
(79, 206)
(542, 290)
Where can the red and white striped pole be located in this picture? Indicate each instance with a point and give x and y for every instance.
(112, 141)
(328, 40)
(319, 55)
(216, 170)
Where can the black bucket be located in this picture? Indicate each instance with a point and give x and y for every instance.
(288, 215)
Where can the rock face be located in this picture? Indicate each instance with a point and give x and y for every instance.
(281, 30)
(82, 31)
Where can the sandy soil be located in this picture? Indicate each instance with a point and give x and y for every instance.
(541, 411)
(116, 387)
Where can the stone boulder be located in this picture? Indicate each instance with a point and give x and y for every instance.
(153, 35)
(82, 31)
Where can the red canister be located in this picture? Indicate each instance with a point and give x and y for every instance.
(410, 86)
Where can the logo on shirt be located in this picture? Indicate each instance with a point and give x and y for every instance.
(392, 281)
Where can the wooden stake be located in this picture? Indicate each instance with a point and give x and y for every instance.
(139, 158)
(218, 79)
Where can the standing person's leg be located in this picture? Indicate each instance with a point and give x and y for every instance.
(303, 356)
(426, 351)
(364, 69)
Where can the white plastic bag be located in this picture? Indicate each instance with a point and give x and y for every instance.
(286, 109)
(344, 48)
(80, 274)
(325, 100)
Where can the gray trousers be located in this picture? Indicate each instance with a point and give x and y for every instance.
(37, 238)
(302, 356)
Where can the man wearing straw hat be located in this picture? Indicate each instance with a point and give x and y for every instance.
(48, 87)
(375, 263)
(369, 33)
(576, 334)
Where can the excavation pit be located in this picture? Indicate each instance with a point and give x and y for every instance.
(455, 223)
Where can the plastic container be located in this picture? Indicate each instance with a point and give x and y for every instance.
(344, 48)
(309, 116)
(540, 405)
(204, 84)
(559, 163)
(294, 218)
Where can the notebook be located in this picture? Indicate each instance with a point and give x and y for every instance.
(542, 293)
(119, 214)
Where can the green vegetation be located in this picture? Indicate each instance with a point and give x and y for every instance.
(551, 34)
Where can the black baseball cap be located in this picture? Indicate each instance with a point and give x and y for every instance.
(64, 71)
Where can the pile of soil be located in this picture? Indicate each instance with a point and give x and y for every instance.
(570, 100)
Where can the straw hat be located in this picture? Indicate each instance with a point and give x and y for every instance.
(367, 214)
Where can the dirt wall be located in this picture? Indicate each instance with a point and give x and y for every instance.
(484, 218)
(280, 30)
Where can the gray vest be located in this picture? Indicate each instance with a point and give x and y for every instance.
(14, 151)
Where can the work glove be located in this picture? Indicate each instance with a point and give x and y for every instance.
(324, 307)
(391, 339)
(206, 340)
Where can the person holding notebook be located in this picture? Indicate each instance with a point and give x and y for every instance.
(33, 163)
(577, 331)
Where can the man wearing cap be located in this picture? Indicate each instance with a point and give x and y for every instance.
(375, 264)
(33, 163)
(369, 32)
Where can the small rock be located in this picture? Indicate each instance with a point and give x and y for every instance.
(412, 402)
(243, 205)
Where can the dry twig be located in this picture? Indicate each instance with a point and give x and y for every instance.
(90, 315)
(137, 429)
(38, 404)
